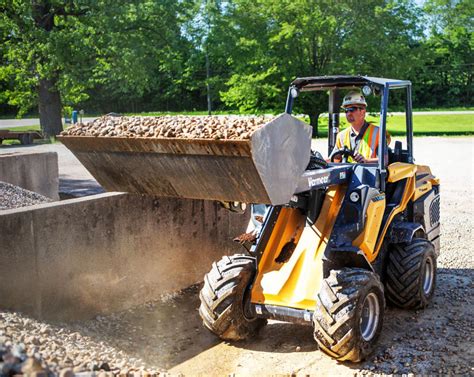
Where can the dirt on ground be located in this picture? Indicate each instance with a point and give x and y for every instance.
(167, 334)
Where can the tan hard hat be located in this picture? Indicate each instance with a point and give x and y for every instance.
(354, 98)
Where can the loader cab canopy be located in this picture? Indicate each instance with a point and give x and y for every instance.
(370, 86)
(329, 82)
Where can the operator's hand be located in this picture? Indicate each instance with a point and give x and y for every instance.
(359, 158)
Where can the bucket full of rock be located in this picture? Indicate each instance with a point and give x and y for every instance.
(250, 159)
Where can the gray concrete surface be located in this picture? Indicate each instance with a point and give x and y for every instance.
(102, 253)
(74, 179)
(31, 170)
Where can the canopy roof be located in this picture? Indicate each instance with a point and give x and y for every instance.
(327, 82)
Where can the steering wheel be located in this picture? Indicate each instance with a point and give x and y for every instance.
(345, 153)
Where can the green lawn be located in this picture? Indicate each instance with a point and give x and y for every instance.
(423, 125)
(35, 127)
(456, 124)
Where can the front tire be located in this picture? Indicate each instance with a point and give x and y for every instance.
(224, 295)
(411, 274)
(349, 313)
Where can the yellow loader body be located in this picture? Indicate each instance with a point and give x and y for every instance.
(294, 280)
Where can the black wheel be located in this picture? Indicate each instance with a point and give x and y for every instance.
(411, 274)
(224, 296)
(349, 313)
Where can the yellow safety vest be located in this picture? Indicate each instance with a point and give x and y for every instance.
(368, 145)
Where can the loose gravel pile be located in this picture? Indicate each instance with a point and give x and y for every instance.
(181, 126)
(28, 346)
(12, 196)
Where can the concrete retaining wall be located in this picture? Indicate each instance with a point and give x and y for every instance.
(36, 172)
(80, 257)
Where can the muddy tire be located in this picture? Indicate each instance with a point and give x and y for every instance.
(411, 274)
(224, 296)
(349, 313)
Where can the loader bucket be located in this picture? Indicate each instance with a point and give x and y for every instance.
(262, 169)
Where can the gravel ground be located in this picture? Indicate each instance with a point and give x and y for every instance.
(12, 196)
(167, 334)
(28, 345)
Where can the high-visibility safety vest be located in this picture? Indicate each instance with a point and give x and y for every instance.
(368, 145)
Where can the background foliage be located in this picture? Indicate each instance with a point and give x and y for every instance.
(170, 55)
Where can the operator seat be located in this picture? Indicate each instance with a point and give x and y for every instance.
(396, 154)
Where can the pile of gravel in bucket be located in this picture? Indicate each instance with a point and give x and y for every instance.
(12, 196)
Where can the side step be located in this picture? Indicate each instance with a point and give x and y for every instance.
(281, 313)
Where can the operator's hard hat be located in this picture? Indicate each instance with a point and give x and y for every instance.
(354, 98)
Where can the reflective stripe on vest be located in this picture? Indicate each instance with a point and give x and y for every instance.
(368, 144)
(374, 143)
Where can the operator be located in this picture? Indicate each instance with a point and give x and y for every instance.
(362, 138)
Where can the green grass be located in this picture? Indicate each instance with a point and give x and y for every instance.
(34, 127)
(423, 125)
(455, 124)
(35, 142)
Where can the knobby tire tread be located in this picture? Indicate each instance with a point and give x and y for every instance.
(336, 311)
(222, 298)
(404, 273)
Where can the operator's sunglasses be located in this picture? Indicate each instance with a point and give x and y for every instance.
(351, 109)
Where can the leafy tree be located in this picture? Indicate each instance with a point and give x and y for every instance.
(135, 55)
(447, 75)
(56, 50)
(279, 41)
(207, 68)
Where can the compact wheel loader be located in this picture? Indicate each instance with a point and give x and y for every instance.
(352, 237)
(336, 239)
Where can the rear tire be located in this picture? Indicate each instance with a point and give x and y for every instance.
(224, 296)
(349, 313)
(411, 274)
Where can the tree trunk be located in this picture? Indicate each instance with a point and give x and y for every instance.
(313, 121)
(49, 107)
